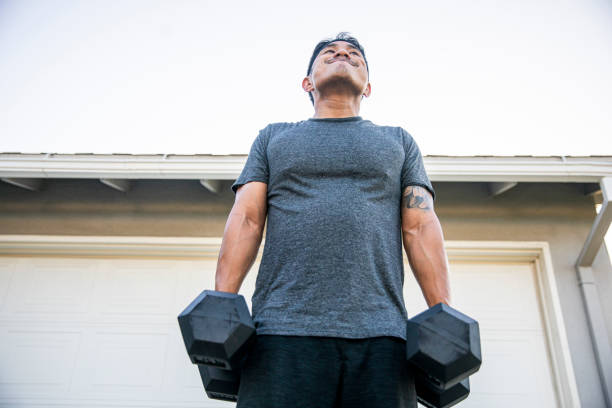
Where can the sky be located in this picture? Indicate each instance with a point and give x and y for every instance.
(522, 77)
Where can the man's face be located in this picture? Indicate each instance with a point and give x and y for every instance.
(339, 67)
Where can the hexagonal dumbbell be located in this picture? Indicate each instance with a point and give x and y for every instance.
(217, 329)
(220, 384)
(433, 397)
(443, 347)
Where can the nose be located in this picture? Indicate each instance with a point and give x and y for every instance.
(342, 52)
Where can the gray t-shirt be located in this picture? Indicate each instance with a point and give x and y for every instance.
(332, 262)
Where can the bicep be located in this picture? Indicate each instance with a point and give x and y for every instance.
(416, 207)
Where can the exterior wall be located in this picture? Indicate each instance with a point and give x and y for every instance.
(557, 213)
(88, 207)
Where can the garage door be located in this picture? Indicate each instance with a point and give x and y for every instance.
(503, 298)
(98, 332)
(101, 331)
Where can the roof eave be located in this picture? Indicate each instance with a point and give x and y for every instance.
(228, 167)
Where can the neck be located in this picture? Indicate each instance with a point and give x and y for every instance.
(335, 106)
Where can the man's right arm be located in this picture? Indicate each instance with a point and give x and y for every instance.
(242, 236)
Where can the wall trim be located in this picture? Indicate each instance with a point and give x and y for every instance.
(110, 246)
(535, 252)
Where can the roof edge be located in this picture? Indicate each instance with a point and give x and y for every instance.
(586, 169)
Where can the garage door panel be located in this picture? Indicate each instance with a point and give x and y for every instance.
(120, 364)
(181, 377)
(128, 360)
(134, 290)
(413, 298)
(202, 276)
(6, 274)
(508, 290)
(58, 287)
(37, 362)
(506, 400)
(248, 285)
(514, 364)
(501, 298)
(193, 279)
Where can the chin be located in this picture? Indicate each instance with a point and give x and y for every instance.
(341, 81)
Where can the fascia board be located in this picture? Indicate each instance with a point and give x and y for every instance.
(453, 169)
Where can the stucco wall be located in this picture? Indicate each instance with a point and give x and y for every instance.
(557, 213)
(88, 207)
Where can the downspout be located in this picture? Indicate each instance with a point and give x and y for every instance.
(584, 268)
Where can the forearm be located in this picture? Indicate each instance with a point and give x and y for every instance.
(241, 241)
(424, 246)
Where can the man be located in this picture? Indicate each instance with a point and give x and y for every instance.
(339, 194)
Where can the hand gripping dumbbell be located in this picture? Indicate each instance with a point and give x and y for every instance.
(443, 347)
(217, 330)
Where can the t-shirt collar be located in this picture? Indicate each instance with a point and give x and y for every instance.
(347, 119)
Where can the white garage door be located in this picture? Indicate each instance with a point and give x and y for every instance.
(502, 297)
(102, 332)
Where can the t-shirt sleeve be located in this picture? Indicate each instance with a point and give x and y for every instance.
(256, 167)
(413, 170)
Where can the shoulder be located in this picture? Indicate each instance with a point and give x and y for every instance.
(272, 129)
(396, 131)
(277, 127)
(403, 138)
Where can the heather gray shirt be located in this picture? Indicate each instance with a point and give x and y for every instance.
(332, 262)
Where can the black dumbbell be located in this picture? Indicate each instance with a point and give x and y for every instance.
(443, 347)
(433, 397)
(217, 330)
(220, 384)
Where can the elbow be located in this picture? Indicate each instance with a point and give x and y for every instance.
(248, 221)
(414, 231)
(411, 233)
(417, 231)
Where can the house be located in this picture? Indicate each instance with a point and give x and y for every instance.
(100, 253)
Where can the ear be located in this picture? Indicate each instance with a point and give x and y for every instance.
(368, 90)
(307, 85)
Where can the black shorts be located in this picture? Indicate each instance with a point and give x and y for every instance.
(326, 372)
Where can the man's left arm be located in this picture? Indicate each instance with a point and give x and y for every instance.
(424, 244)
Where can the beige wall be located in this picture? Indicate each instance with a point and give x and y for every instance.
(88, 207)
(557, 213)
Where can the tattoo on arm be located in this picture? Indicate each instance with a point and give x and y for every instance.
(417, 197)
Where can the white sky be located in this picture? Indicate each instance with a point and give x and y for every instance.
(529, 77)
